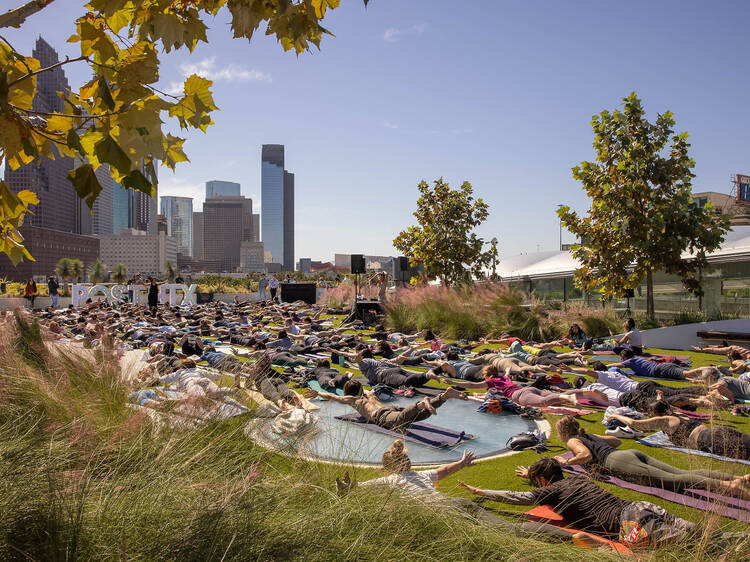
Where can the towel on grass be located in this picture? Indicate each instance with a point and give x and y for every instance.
(661, 440)
(422, 433)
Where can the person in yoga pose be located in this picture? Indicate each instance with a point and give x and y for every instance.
(624, 391)
(643, 367)
(328, 377)
(691, 434)
(586, 506)
(724, 348)
(632, 339)
(456, 368)
(731, 388)
(601, 451)
(379, 371)
(394, 417)
(529, 396)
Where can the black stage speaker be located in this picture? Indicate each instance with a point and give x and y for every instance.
(291, 292)
(403, 263)
(629, 294)
(202, 298)
(358, 263)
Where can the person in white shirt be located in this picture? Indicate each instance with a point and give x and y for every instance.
(273, 286)
(631, 340)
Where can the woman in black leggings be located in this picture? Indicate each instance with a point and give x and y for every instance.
(632, 464)
(692, 434)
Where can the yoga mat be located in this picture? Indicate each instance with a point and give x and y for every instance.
(419, 432)
(315, 385)
(725, 506)
(546, 514)
(661, 440)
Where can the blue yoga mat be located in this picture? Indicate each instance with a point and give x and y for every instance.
(419, 432)
(315, 385)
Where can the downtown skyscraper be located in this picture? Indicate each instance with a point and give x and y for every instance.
(178, 212)
(277, 206)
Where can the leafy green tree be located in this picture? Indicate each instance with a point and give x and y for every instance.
(119, 273)
(76, 270)
(642, 216)
(64, 270)
(170, 271)
(118, 116)
(444, 241)
(97, 271)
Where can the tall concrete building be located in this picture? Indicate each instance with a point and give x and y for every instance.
(59, 205)
(277, 206)
(197, 236)
(139, 251)
(217, 188)
(256, 227)
(145, 212)
(288, 262)
(227, 223)
(102, 214)
(251, 257)
(178, 212)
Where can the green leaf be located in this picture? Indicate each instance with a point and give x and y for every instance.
(108, 151)
(105, 94)
(137, 181)
(86, 183)
(74, 141)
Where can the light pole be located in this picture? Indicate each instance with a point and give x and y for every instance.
(494, 257)
(560, 223)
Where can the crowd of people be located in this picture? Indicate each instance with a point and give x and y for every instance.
(268, 346)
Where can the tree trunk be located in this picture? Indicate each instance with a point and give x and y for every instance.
(650, 295)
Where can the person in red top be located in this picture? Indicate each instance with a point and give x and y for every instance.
(30, 291)
(529, 395)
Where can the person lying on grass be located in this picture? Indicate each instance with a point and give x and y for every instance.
(422, 485)
(621, 390)
(587, 507)
(395, 418)
(600, 452)
(723, 349)
(527, 396)
(380, 371)
(643, 367)
(689, 433)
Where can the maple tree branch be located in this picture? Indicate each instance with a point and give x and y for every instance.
(16, 16)
(67, 60)
(68, 115)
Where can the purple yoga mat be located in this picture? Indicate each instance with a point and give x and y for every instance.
(704, 500)
(422, 433)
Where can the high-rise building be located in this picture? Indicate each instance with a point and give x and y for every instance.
(102, 214)
(197, 236)
(227, 222)
(217, 188)
(288, 262)
(178, 212)
(145, 212)
(139, 251)
(277, 206)
(305, 265)
(256, 227)
(251, 257)
(59, 205)
(122, 203)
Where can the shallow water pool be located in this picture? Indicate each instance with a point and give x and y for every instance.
(348, 442)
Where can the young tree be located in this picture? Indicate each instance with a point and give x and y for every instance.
(642, 216)
(117, 117)
(119, 273)
(64, 270)
(170, 271)
(76, 270)
(444, 241)
(97, 271)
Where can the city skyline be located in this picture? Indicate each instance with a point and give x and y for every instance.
(513, 122)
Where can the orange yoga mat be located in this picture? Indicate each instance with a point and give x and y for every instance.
(546, 514)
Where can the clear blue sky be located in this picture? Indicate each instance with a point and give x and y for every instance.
(495, 92)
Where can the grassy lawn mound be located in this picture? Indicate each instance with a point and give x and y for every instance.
(85, 476)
